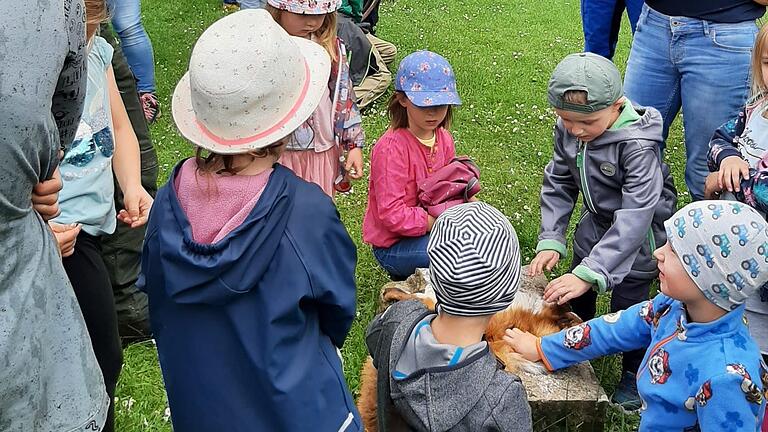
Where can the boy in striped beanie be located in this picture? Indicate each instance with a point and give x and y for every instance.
(438, 364)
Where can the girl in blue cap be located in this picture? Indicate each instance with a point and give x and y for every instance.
(416, 144)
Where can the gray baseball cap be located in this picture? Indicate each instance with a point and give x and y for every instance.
(587, 72)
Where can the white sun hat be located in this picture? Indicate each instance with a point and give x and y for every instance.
(249, 84)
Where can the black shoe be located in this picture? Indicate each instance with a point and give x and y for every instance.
(625, 395)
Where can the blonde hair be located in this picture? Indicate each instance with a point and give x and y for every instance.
(761, 45)
(95, 13)
(214, 163)
(326, 34)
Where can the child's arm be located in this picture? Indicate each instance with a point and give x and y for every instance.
(127, 161)
(389, 172)
(625, 330)
(333, 276)
(352, 135)
(724, 156)
(722, 404)
(611, 259)
(559, 192)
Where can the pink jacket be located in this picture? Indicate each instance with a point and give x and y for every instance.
(398, 163)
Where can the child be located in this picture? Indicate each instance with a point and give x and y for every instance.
(739, 166)
(702, 370)
(87, 199)
(247, 306)
(416, 144)
(608, 150)
(435, 371)
(314, 150)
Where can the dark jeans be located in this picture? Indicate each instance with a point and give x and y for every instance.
(403, 258)
(601, 20)
(90, 281)
(122, 250)
(630, 292)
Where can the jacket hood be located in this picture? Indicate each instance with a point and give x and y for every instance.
(649, 128)
(213, 273)
(436, 397)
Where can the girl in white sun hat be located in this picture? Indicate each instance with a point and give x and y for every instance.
(327, 148)
(247, 306)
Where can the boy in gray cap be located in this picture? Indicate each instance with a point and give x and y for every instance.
(442, 371)
(702, 371)
(607, 150)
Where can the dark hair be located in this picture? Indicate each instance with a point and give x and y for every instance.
(214, 163)
(398, 115)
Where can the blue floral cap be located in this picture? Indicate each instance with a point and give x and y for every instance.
(724, 249)
(427, 79)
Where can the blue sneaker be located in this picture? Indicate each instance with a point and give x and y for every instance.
(625, 395)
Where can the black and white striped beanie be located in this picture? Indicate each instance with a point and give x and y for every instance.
(474, 260)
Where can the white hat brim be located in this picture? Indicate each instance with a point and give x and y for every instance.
(319, 67)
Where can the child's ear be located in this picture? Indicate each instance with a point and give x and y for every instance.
(619, 103)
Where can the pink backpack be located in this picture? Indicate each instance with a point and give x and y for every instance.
(452, 184)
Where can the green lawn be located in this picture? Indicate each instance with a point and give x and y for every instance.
(503, 53)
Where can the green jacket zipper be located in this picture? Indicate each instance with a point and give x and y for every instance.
(581, 164)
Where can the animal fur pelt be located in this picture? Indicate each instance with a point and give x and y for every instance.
(528, 313)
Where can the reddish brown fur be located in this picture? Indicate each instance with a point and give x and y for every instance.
(549, 320)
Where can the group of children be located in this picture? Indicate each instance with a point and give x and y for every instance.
(250, 272)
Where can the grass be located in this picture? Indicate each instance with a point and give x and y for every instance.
(503, 53)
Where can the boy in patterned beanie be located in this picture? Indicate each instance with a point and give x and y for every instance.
(701, 370)
(438, 364)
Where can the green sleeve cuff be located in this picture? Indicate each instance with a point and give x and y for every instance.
(588, 275)
(552, 245)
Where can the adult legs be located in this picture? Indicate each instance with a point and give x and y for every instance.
(253, 4)
(601, 20)
(715, 76)
(652, 79)
(403, 258)
(126, 20)
(90, 281)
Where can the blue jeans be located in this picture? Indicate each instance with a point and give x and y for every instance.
(699, 65)
(403, 258)
(253, 4)
(126, 20)
(601, 20)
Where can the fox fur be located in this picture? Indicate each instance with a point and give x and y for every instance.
(526, 313)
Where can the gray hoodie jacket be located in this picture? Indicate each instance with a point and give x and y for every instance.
(475, 394)
(628, 193)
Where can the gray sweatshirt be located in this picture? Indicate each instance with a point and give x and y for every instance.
(628, 194)
(473, 394)
(49, 378)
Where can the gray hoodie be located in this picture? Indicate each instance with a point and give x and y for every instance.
(475, 394)
(628, 193)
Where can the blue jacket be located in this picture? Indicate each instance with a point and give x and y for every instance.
(694, 376)
(247, 328)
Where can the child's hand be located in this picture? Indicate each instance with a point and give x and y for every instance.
(523, 343)
(732, 170)
(45, 197)
(430, 222)
(545, 259)
(354, 165)
(137, 204)
(565, 288)
(66, 236)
